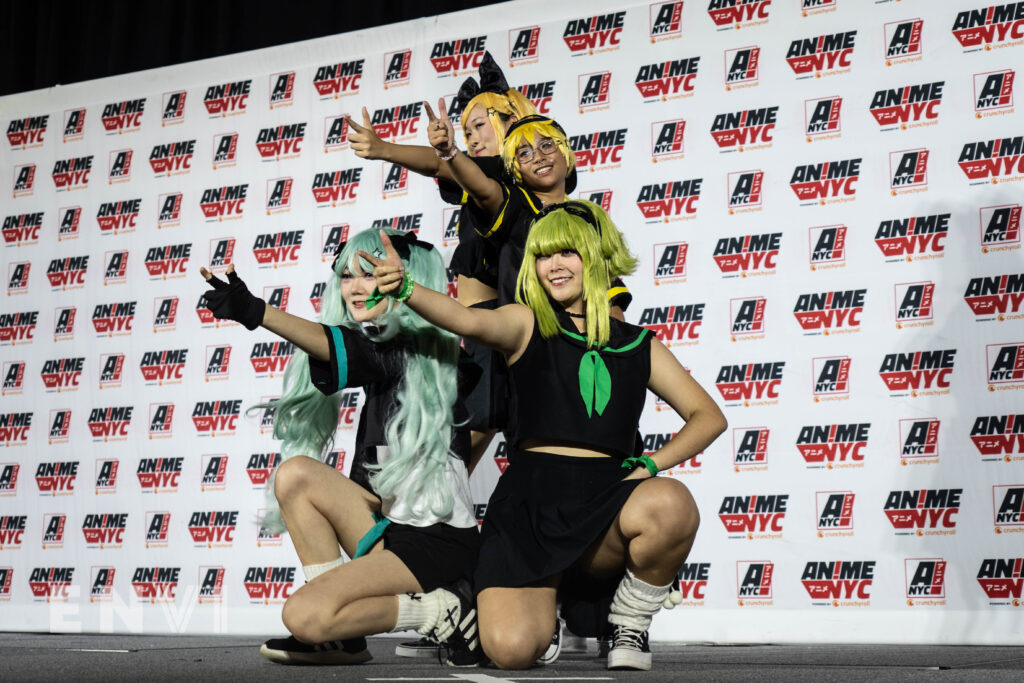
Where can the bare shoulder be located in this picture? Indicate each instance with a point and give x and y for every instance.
(519, 320)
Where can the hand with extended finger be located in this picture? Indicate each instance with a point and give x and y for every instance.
(363, 140)
(440, 131)
(232, 300)
(389, 271)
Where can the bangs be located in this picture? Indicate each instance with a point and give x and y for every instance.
(561, 230)
(527, 132)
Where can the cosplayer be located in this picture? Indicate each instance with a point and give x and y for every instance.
(577, 515)
(406, 515)
(488, 109)
(503, 209)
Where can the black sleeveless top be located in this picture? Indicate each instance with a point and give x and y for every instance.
(564, 393)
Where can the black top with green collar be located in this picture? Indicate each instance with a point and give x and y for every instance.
(563, 392)
(508, 227)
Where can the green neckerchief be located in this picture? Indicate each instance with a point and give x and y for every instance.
(595, 380)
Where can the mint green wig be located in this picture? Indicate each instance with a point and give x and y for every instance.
(419, 431)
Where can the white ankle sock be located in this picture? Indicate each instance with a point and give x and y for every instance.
(635, 602)
(314, 570)
(425, 612)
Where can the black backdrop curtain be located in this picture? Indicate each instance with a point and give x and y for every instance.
(47, 42)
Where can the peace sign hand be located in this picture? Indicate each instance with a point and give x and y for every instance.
(364, 140)
(232, 300)
(440, 131)
(389, 271)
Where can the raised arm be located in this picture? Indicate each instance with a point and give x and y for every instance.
(232, 300)
(506, 329)
(483, 191)
(366, 144)
(704, 419)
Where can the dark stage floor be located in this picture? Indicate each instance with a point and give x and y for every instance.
(45, 657)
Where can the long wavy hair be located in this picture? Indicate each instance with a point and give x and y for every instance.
(419, 430)
(605, 256)
(500, 107)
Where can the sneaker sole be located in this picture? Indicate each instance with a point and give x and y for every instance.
(314, 658)
(629, 660)
(416, 652)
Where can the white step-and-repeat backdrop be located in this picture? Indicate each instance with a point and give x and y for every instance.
(826, 199)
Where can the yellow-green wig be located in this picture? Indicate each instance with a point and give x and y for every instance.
(585, 228)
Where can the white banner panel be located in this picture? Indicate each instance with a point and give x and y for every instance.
(825, 196)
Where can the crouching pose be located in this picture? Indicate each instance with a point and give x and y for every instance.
(405, 515)
(576, 515)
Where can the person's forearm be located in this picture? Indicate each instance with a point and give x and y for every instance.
(306, 334)
(697, 434)
(418, 159)
(480, 325)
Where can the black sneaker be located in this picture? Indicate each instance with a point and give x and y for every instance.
(463, 644)
(291, 651)
(604, 644)
(631, 650)
(424, 647)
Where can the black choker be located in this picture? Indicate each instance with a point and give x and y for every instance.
(576, 315)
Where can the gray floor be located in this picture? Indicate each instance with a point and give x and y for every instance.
(44, 657)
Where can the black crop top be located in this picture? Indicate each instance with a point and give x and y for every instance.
(562, 393)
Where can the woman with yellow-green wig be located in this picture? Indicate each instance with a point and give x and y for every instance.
(578, 517)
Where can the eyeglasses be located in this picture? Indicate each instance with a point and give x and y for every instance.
(547, 147)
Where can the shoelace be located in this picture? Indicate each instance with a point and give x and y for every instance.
(629, 638)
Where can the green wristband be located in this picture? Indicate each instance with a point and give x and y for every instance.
(406, 290)
(644, 460)
(375, 297)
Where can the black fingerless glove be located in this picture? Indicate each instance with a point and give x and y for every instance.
(234, 301)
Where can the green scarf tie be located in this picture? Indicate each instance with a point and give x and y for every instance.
(595, 382)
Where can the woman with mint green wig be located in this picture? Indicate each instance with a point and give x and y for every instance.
(578, 516)
(405, 514)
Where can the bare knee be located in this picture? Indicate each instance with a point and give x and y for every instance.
(666, 507)
(512, 648)
(305, 620)
(292, 476)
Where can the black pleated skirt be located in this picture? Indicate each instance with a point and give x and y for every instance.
(544, 514)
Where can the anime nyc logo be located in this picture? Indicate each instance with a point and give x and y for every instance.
(748, 255)
(824, 55)
(994, 26)
(523, 46)
(673, 200)
(839, 583)
(1000, 226)
(338, 80)
(918, 373)
(999, 437)
(670, 80)
(120, 169)
(833, 445)
(600, 33)
(923, 512)
(227, 99)
(913, 238)
(727, 14)
(666, 20)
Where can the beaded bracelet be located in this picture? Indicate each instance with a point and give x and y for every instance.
(449, 156)
(644, 460)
